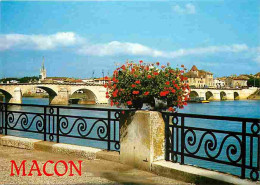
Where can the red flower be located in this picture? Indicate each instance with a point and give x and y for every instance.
(114, 85)
(146, 93)
(185, 103)
(162, 93)
(157, 63)
(173, 82)
(123, 112)
(171, 109)
(149, 76)
(105, 85)
(156, 73)
(111, 103)
(167, 83)
(133, 85)
(137, 82)
(133, 70)
(140, 61)
(123, 67)
(135, 92)
(115, 93)
(107, 96)
(173, 91)
(129, 102)
(115, 73)
(106, 78)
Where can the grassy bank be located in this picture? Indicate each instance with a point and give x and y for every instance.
(35, 95)
(255, 96)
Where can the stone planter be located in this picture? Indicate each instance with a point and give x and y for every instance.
(142, 136)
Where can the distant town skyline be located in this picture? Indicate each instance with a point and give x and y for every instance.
(78, 38)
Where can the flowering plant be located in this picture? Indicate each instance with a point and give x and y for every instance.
(133, 82)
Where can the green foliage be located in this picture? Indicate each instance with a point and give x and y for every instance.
(253, 82)
(26, 79)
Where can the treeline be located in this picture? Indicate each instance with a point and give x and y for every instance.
(25, 79)
(253, 81)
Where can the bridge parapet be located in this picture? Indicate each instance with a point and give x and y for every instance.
(58, 93)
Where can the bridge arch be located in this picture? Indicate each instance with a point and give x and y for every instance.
(194, 94)
(7, 95)
(236, 96)
(87, 96)
(52, 93)
(223, 95)
(209, 95)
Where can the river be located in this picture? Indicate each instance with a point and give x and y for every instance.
(238, 108)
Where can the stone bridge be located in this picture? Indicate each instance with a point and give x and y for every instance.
(59, 94)
(222, 94)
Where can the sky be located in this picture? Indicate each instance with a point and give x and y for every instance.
(79, 37)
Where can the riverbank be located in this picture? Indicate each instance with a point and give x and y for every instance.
(255, 96)
(35, 95)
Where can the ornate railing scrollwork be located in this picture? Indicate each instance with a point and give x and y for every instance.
(82, 127)
(52, 123)
(238, 147)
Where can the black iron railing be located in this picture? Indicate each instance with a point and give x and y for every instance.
(97, 126)
(226, 144)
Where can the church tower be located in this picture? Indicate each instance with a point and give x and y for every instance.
(42, 71)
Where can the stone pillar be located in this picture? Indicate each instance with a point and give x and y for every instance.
(230, 95)
(142, 138)
(62, 98)
(16, 96)
(203, 95)
(216, 95)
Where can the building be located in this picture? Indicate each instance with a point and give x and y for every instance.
(88, 81)
(102, 80)
(219, 83)
(199, 78)
(236, 81)
(43, 73)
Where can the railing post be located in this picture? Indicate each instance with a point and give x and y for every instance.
(6, 120)
(182, 140)
(44, 124)
(167, 142)
(58, 125)
(243, 150)
(108, 129)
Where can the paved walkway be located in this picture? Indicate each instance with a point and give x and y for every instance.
(93, 171)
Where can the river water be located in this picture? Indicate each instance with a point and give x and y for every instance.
(239, 108)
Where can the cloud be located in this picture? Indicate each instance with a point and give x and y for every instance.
(119, 48)
(207, 50)
(127, 48)
(187, 9)
(257, 56)
(38, 42)
(114, 48)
